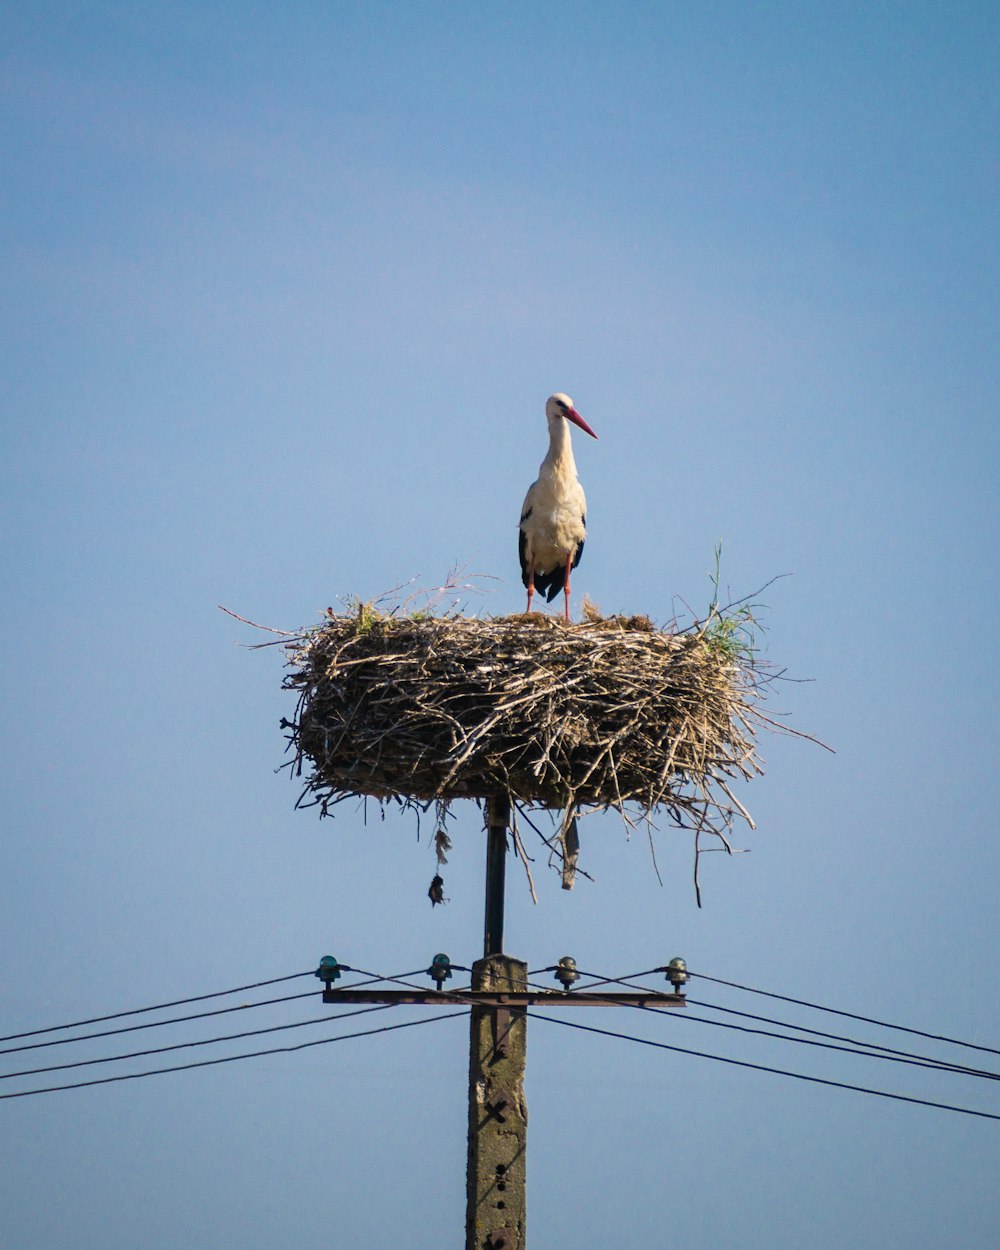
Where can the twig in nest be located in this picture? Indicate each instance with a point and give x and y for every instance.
(522, 855)
(652, 850)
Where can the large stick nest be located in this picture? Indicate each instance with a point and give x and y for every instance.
(609, 713)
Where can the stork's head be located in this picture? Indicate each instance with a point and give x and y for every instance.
(559, 407)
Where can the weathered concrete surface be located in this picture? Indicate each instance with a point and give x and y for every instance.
(498, 1117)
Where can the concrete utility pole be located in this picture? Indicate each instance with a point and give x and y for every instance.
(498, 1117)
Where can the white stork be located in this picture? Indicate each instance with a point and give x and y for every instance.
(554, 515)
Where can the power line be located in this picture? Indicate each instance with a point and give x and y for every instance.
(201, 1015)
(632, 976)
(935, 1037)
(155, 1024)
(856, 1048)
(400, 978)
(207, 1041)
(593, 984)
(865, 1049)
(138, 1011)
(82, 1063)
(889, 1052)
(206, 1063)
(870, 1050)
(759, 1067)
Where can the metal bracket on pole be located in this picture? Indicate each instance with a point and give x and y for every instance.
(510, 1001)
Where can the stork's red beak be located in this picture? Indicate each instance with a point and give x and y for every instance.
(574, 416)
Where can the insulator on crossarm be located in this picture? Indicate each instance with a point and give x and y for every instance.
(565, 971)
(328, 971)
(440, 970)
(677, 974)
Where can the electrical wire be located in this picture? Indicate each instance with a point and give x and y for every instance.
(400, 979)
(871, 1050)
(155, 1024)
(632, 976)
(207, 1041)
(454, 995)
(759, 1067)
(865, 1049)
(206, 1063)
(277, 1028)
(201, 1015)
(589, 985)
(138, 1011)
(856, 1048)
(850, 1015)
(889, 1052)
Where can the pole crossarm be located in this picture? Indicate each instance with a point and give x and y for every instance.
(516, 999)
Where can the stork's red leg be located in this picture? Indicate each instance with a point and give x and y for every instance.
(569, 565)
(531, 584)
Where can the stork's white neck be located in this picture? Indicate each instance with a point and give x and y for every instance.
(559, 462)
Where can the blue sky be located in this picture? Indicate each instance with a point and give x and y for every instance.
(284, 290)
